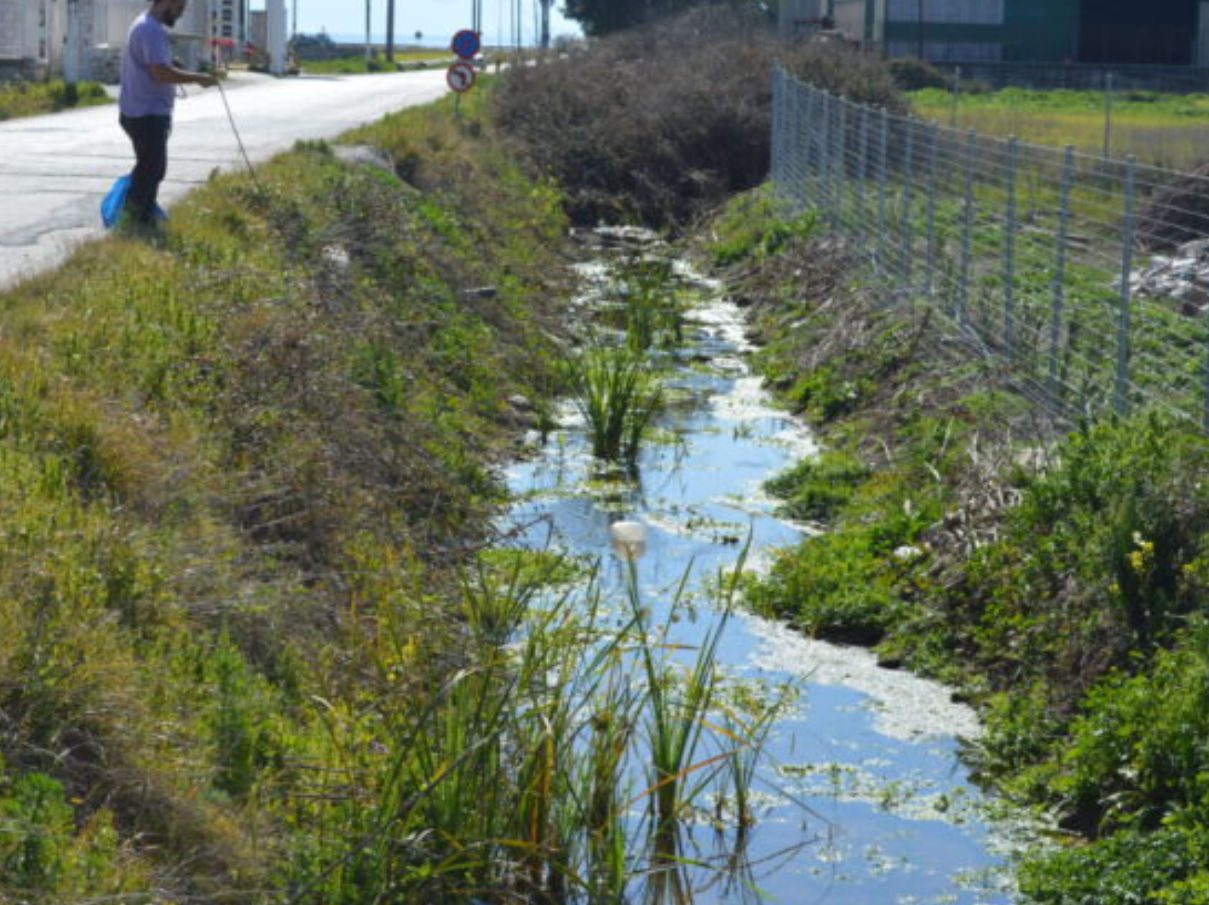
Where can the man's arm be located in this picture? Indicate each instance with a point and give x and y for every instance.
(174, 75)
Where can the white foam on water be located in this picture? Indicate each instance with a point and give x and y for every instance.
(904, 705)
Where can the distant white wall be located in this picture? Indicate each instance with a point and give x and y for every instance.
(18, 30)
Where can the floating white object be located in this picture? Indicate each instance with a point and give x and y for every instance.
(629, 539)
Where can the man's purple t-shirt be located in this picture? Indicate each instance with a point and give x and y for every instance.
(147, 43)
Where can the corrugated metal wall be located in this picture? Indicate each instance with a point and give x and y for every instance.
(984, 30)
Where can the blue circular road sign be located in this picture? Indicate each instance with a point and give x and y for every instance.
(466, 44)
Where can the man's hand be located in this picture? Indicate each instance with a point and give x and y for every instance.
(206, 81)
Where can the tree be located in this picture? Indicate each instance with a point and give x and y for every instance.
(599, 17)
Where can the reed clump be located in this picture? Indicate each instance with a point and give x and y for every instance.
(619, 394)
(526, 767)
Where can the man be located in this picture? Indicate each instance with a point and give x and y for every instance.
(149, 80)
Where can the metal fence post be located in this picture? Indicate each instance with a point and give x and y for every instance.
(1059, 284)
(1120, 396)
(778, 131)
(933, 142)
(1205, 421)
(863, 176)
(908, 178)
(881, 188)
(791, 139)
(841, 174)
(824, 155)
(807, 138)
(1009, 252)
(963, 288)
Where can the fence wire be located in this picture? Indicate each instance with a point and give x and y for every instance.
(1088, 276)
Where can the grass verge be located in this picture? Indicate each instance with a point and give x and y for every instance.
(1056, 574)
(19, 99)
(1165, 130)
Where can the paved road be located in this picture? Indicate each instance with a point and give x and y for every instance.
(55, 169)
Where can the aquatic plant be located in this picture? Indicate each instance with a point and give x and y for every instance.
(619, 395)
(652, 312)
(520, 772)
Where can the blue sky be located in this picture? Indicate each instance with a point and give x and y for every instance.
(437, 19)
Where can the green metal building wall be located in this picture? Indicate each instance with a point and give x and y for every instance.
(1032, 31)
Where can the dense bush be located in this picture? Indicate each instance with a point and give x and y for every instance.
(660, 123)
(912, 75)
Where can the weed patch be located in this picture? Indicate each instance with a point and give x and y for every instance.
(35, 98)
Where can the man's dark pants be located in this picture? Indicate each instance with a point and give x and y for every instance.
(150, 137)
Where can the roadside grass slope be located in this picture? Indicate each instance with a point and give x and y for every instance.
(237, 473)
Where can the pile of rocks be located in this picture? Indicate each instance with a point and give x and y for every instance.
(1182, 277)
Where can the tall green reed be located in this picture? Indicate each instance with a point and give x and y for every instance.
(518, 775)
(652, 311)
(619, 395)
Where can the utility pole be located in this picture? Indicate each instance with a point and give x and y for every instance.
(919, 24)
(369, 50)
(71, 51)
(390, 31)
(545, 23)
(275, 35)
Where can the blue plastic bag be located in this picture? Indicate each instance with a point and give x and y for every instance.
(115, 202)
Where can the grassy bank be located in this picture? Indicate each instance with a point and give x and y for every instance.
(239, 472)
(34, 98)
(357, 63)
(1160, 129)
(1055, 573)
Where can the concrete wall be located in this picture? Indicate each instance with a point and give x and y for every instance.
(18, 35)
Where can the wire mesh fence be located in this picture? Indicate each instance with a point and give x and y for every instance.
(1087, 275)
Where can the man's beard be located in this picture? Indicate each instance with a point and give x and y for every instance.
(169, 19)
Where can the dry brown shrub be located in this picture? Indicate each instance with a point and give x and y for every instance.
(659, 124)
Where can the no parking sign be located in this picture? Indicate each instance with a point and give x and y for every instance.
(460, 77)
(466, 44)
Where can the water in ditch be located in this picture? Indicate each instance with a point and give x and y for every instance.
(863, 799)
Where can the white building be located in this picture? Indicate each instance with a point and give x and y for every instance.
(36, 35)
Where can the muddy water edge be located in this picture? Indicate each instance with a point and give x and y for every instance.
(859, 795)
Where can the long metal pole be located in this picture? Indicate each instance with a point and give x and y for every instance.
(967, 229)
(1009, 251)
(1121, 392)
(390, 31)
(1059, 287)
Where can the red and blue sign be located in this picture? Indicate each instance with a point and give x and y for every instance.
(466, 44)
